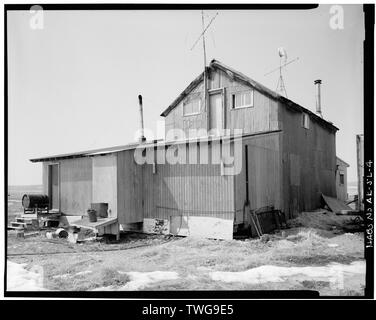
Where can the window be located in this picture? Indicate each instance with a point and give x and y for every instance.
(305, 121)
(341, 178)
(242, 99)
(192, 107)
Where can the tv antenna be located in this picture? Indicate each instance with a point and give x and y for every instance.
(281, 88)
(202, 35)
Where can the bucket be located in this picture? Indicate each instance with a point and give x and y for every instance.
(61, 233)
(101, 208)
(92, 215)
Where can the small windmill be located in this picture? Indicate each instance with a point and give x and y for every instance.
(281, 88)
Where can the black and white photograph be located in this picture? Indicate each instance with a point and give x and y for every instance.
(166, 149)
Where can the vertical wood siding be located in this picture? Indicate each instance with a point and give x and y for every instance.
(187, 190)
(177, 120)
(75, 185)
(341, 189)
(264, 174)
(129, 188)
(105, 181)
(45, 177)
(309, 163)
(263, 116)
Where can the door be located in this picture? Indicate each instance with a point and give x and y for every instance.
(53, 186)
(216, 112)
(105, 182)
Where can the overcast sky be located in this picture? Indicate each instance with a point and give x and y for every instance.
(73, 85)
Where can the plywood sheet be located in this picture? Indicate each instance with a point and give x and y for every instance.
(130, 188)
(105, 182)
(76, 185)
(336, 205)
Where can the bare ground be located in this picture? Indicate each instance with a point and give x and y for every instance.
(314, 239)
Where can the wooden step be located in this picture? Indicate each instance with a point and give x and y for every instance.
(15, 228)
(31, 234)
(25, 220)
(19, 224)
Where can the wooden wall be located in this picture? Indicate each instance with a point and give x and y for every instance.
(197, 190)
(187, 189)
(176, 119)
(309, 162)
(45, 177)
(129, 188)
(264, 174)
(76, 177)
(263, 116)
(105, 181)
(341, 189)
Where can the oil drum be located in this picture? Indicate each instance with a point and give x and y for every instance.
(30, 201)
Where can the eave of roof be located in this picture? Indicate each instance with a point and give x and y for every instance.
(181, 96)
(150, 144)
(84, 153)
(344, 162)
(238, 76)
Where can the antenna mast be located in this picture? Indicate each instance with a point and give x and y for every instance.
(203, 46)
(204, 51)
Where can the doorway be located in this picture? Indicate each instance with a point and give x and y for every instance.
(216, 112)
(53, 186)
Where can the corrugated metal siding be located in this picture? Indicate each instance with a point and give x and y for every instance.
(181, 189)
(187, 189)
(309, 163)
(264, 173)
(197, 190)
(149, 191)
(76, 185)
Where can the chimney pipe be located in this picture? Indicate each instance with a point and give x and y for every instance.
(318, 97)
(142, 137)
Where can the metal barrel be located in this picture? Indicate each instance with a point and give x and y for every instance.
(30, 201)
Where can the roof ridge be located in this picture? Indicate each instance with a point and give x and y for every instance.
(258, 86)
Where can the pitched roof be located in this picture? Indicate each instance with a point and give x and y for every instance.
(343, 162)
(238, 76)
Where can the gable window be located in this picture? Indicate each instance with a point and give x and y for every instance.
(341, 178)
(305, 121)
(192, 107)
(242, 99)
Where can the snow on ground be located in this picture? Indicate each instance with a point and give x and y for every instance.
(83, 272)
(333, 273)
(20, 279)
(140, 280)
